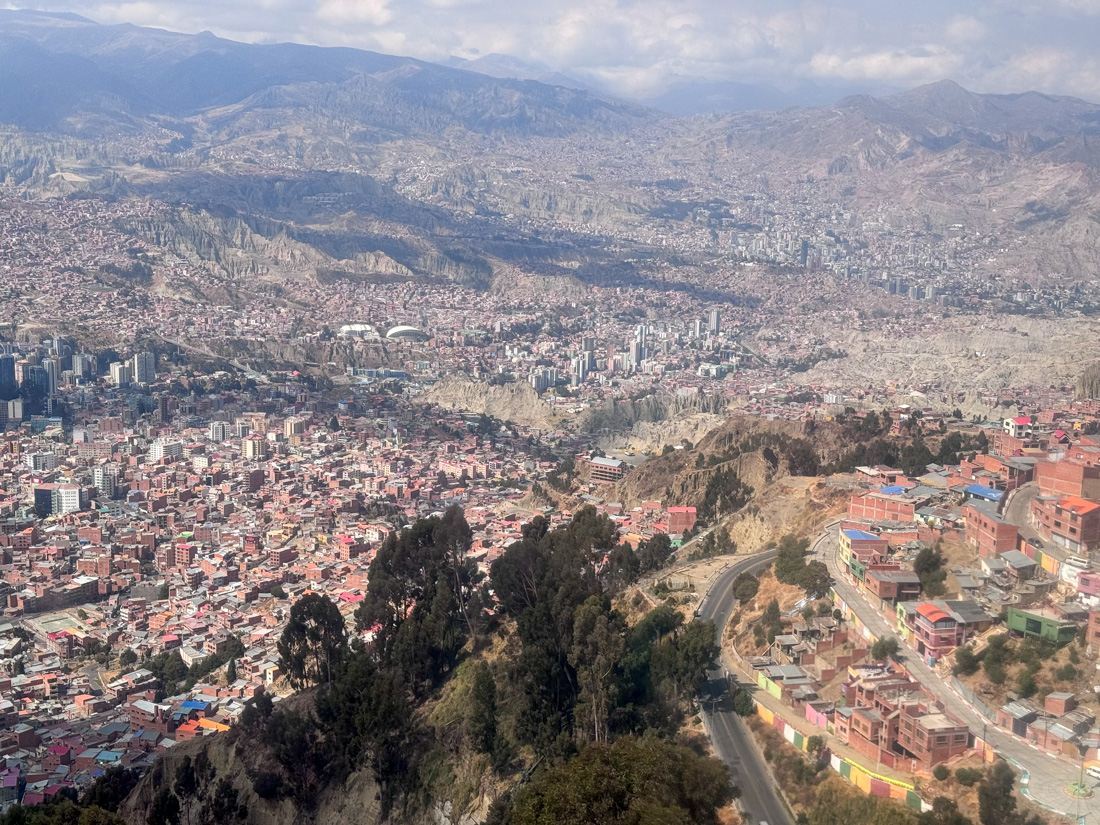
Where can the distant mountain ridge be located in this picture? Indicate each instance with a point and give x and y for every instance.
(56, 71)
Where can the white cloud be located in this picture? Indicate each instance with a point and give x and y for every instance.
(370, 12)
(932, 62)
(641, 46)
(964, 29)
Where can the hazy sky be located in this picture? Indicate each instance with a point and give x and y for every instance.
(636, 47)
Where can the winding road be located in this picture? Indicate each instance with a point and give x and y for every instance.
(759, 797)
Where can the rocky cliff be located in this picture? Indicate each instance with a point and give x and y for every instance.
(236, 762)
(516, 402)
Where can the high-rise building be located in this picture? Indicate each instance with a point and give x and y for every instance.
(121, 374)
(105, 479)
(41, 462)
(164, 448)
(637, 353)
(254, 447)
(7, 371)
(145, 367)
(715, 321)
(36, 378)
(53, 371)
(69, 498)
(220, 430)
(84, 365)
(588, 344)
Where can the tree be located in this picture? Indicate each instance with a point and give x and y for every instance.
(791, 559)
(597, 650)
(743, 703)
(815, 579)
(929, 567)
(966, 662)
(996, 801)
(994, 670)
(745, 587)
(231, 672)
(885, 648)
(481, 722)
(630, 781)
(653, 554)
(944, 812)
(165, 809)
(771, 614)
(941, 772)
(622, 567)
(682, 660)
(314, 642)
(127, 658)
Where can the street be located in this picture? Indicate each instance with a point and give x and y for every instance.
(732, 740)
(1047, 776)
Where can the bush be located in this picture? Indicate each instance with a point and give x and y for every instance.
(941, 772)
(995, 671)
(1025, 685)
(1066, 673)
(968, 777)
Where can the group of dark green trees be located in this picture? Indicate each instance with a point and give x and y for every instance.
(576, 675)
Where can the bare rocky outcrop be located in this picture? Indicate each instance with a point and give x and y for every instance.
(354, 800)
(517, 402)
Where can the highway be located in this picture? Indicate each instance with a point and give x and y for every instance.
(732, 740)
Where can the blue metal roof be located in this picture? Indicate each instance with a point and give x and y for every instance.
(981, 491)
(859, 535)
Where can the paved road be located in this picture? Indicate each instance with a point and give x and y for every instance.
(1048, 776)
(732, 740)
(1019, 505)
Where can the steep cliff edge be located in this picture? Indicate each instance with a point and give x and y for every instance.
(224, 761)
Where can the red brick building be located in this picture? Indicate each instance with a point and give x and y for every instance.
(878, 506)
(1068, 478)
(986, 530)
(680, 519)
(1070, 522)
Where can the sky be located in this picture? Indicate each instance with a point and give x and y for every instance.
(639, 48)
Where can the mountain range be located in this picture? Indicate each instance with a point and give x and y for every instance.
(444, 164)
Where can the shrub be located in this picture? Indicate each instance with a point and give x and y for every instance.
(967, 777)
(995, 671)
(1066, 673)
(941, 772)
(1025, 685)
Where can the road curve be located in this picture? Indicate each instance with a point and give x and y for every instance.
(759, 797)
